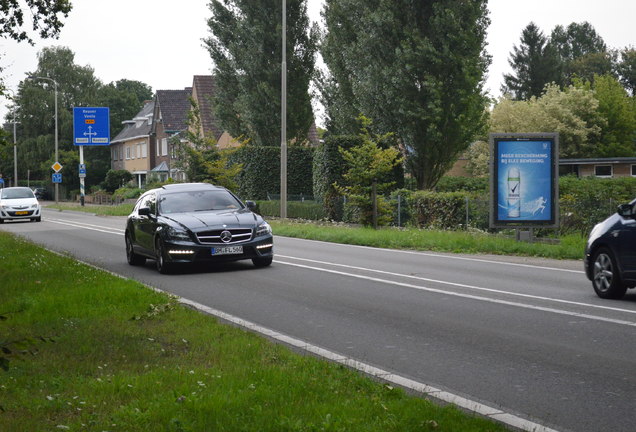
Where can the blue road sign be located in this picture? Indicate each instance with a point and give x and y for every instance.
(91, 126)
(57, 178)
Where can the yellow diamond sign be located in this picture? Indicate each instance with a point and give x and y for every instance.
(56, 167)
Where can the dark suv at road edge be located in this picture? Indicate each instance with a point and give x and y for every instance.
(196, 222)
(610, 254)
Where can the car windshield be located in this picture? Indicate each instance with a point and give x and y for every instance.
(197, 201)
(16, 193)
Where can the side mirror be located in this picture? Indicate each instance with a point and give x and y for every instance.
(626, 210)
(251, 205)
(144, 211)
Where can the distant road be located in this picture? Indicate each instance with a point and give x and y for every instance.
(524, 338)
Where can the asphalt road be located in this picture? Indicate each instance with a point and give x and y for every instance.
(525, 337)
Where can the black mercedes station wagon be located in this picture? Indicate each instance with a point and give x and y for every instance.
(196, 222)
(610, 254)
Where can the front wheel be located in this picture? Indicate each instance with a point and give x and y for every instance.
(162, 266)
(605, 275)
(263, 261)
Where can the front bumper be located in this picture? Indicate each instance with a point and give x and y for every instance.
(17, 214)
(186, 252)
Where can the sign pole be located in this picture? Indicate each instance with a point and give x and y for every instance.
(81, 161)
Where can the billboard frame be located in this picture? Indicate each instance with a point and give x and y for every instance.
(517, 140)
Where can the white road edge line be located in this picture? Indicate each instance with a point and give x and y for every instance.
(449, 256)
(462, 402)
(468, 296)
(460, 285)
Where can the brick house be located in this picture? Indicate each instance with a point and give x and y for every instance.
(131, 149)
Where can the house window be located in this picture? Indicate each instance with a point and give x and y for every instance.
(164, 147)
(603, 170)
(633, 170)
(144, 150)
(127, 152)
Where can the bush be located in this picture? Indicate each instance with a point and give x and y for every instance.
(440, 210)
(127, 193)
(328, 168)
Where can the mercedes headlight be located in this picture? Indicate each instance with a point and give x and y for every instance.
(263, 229)
(177, 234)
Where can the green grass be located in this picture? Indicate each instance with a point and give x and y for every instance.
(569, 247)
(109, 354)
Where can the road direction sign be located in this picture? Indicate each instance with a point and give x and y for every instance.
(91, 126)
(57, 178)
(56, 167)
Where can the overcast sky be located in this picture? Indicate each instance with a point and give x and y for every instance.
(159, 43)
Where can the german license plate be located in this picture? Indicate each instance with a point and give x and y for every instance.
(20, 213)
(227, 250)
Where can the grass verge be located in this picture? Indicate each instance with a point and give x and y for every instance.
(87, 351)
(569, 247)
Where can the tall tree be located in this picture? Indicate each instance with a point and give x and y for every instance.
(124, 98)
(582, 51)
(535, 64)
(45, 19)
(627, 69)
(77, 86)
(245, 47)
(415, 69)
(618, 137)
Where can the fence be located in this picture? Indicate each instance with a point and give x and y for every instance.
(575, 215)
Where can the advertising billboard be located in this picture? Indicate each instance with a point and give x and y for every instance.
(524, 180)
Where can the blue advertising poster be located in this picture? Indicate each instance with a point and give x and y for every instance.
(524, 181)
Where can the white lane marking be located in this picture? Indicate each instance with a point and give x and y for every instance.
(462, 402)
(460, 285)
(410, 252)
(468, 296)
(99, 228)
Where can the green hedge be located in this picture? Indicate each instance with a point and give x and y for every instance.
(261, 171)
(295, 209)
(328, 168)
(441, 210)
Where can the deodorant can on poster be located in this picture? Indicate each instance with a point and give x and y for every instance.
(514, 193)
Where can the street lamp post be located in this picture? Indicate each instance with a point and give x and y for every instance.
(15, 147)
(56, 152)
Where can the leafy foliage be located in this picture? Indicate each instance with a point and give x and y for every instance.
(245, 47)
(535, 64)
(45, 18)
(618, 136)
(200, 157)
(573, 113)
(260, 174)
(116, 179)
(76, 86)
(423, 81)
(582, 52)
(441, 210)
(328, 169)
(367, 176)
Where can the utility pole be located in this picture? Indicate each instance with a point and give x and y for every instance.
(283, 119)
(56, 139)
